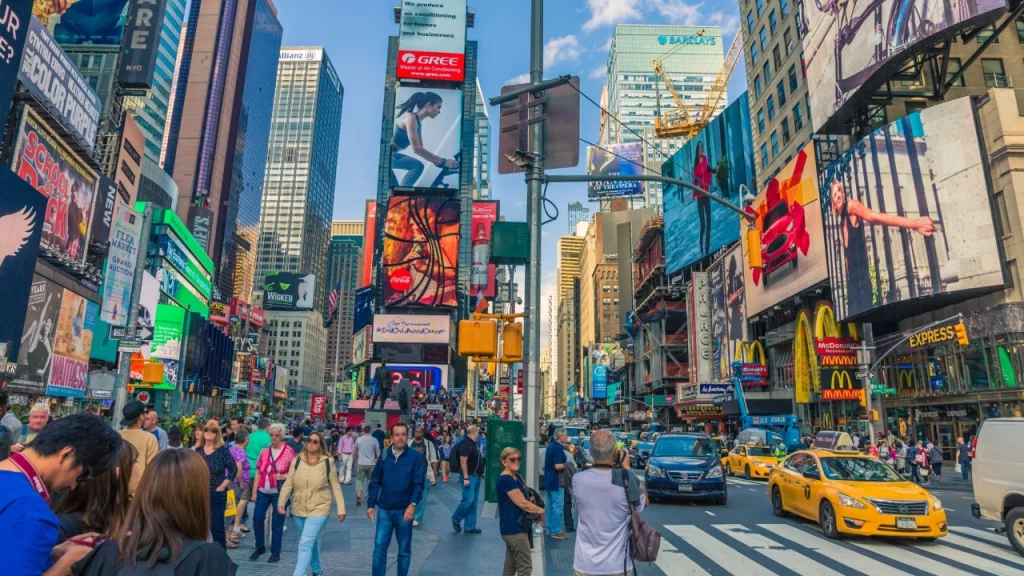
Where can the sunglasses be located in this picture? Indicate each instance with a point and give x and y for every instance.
(512, 459)
(313, 442)
(85, 476)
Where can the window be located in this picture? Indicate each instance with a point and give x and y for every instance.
(750, 22)
(1020, 30)
(787, 39)
(764, 39)
(953, 66)
(777, 57)
(798, 117)
(775, 143)
(760, 7)
(792, 78)
(771, 108)
(753, 54)
(772, 23)
(757, 86)
(784, 7)
(782, 93)
(785, 131)
(994, 72)
(767, 69)
(988, 31)
(760, 120)
(764, 155)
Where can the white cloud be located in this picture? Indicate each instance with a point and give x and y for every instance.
(562, 49)
(607, 44)
(599, 72)
(611, 12)
(521, 79)
(679, 11)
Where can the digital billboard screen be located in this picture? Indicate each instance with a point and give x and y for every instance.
(787, 217)
(420, 260)
(71, 346)
(728, 313)
(432, 40)
(481, 276)
(21, 222)
(288, 291)
(427, 140)
(96, 22)
(719, 159)
(852, 48)
(907, 214)
(17, 19)
(615, 160)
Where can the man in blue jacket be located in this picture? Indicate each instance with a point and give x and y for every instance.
(395, 488)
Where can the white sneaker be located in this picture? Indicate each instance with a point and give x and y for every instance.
(415, 524)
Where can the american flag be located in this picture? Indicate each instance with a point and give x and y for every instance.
(332, 304)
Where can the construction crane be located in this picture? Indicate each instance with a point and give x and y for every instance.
(679, 122)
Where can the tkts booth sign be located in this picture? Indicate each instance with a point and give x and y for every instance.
(825, 358)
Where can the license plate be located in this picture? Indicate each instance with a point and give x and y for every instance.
(686, 487)
(906, 523)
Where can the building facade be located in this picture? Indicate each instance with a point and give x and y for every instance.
(569, 248)
(481, 147)
(298, 341)
(343, 273)
(347, 228)
(302, 162)
(577, 213)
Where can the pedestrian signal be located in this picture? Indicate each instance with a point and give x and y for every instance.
(478, 338)
(961, 334)
(512, 343)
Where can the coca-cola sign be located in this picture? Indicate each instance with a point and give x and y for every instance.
(400, 280)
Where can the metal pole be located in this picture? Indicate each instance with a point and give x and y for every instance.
(121, 384)
(865, 347)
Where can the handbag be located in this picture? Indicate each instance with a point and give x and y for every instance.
(232, 509)
(644, 541)
(958, 469)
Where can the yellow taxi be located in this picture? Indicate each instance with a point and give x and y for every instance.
(720, 447)
(751, 460)
(847, 492)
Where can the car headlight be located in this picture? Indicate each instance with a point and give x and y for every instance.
(655, 471)
(936, 504)
(762, 465)
(849, 501)
(715, 472)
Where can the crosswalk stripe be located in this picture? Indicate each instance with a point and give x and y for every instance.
(950, 553)
(674, 563)
(789, 558)
(904, 556)
(744, 482)
(982, 535)
(840, 554)
(975, 546)
(718, 551)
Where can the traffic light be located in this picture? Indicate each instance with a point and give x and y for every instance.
(961, 334)
(478, 338)
(512, 338)
(754, 247)
(873, 415)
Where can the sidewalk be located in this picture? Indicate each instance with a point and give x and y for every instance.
(347, 549)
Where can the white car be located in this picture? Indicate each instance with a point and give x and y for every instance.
(998, 469)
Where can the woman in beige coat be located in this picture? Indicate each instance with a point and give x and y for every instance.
(311, 484)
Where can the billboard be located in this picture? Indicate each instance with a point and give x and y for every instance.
(362, 346)
(787, 217)
(166, 347)
(427, 377)
(280, 382)
(699, 319)
(96, 22)
(363, 315)
(432, 40)
(421, 251)
(119, 274)
(18, 14)
(200, 223)
(288, 291)
(35, 357)
(103, 214)
(138, 53)
(71, 346)
(317, 405)
(405, 328)
(55, 81)
(21, 227)
(481, 276)
(369, 245)
(148, 299)
(615, 159)
(852, 48)
(728, 314)
(129, 159)
(43, 161)
(907, 214)
(720, 160)
(427, 140)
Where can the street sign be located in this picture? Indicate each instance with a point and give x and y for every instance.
(131, 333)
(862, 374)
(129, 345)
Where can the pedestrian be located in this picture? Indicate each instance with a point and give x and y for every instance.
(471, 469)
(152, 425)
(346, 447)
(367, 451)
(311, 484)
(174, 437)
(38, 417)
(963, 458)
(197, 438)
(295, 442)
(603, 506)
(565, 481)
(101, 504)
(233, 426)
(239, 485)
(167, 523)
(901, 457)
(396, 487)
(69, 451)
(222, 469)
(935, 458)
(922, 464)
(554, 462)
(9, 421)
(912, 462)
(145, 443)
(429, 452)
(380, 435)
(513, 503)
(271, 469)
(446, 452)
(542, 449)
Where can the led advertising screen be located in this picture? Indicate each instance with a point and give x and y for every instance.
(426, 377)
(71, 346)
(852, 48)
(728, 313)
(21, 224)
(907, 214)
(421, 251)
(97, 22)
(427, 138)
(35, 357)
(369, 245)
(167, 334)
(43, 161)
(12, 38)
(788, 220)
(615, 160)
(432, 40)
(142, 29)
(119, 274)
(288, 291)
(719, 159)
(481, 276)
(363, 314)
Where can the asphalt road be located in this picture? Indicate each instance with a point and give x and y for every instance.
(744, 537)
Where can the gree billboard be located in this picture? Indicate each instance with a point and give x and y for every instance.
(907, 215)
(427, 140)
(432, 40)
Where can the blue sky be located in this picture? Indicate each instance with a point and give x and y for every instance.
(577, 32)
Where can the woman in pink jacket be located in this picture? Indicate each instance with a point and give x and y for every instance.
(271, 471)
(702, 179)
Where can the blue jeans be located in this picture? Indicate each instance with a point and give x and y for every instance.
(421, 506)
(554, 511)
(309, 550)
(467, 506)
(388, 521)
(264, 502)
(218, 504)
(413, 167)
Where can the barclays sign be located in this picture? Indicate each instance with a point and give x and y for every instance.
(688, 40)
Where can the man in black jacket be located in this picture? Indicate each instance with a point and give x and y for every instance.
(383, 377)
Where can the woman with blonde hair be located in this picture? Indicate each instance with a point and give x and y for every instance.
(513, 500)
(222, 469)
(311, 483)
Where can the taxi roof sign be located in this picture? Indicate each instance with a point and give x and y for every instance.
(834, 441)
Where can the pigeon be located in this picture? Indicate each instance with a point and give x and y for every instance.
(17, 229)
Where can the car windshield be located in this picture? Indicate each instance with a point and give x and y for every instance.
(759, 451)
(718, 443)
(574, 432)
(626, 436)
(859, 470)
(683, 446)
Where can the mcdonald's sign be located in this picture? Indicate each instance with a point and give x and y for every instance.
(826, 421)
(837, 379)
(841, 394)
(746, 365)
(805, 359)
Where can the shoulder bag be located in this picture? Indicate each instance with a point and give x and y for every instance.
(644, 541)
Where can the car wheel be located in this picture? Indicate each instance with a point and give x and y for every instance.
(724, 499)
(828, 520)
(1015, 529)
(651, 499)
(746, 472)
(777, 507)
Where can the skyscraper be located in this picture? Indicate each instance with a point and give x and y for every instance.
(214, 139)
(481, 148)
(691, 57)
(343, 272)
(302, 161)
(577, 214)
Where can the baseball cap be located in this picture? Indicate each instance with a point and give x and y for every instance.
(131, 412)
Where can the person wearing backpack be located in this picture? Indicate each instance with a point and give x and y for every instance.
(312, 482)
(165, 531)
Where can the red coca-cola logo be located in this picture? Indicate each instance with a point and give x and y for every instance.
(400, 280)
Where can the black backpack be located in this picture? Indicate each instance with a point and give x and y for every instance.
(5, 442)
(327, 465)
(453, 459)
(160, 568)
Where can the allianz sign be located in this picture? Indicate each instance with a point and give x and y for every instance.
(693, 40)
